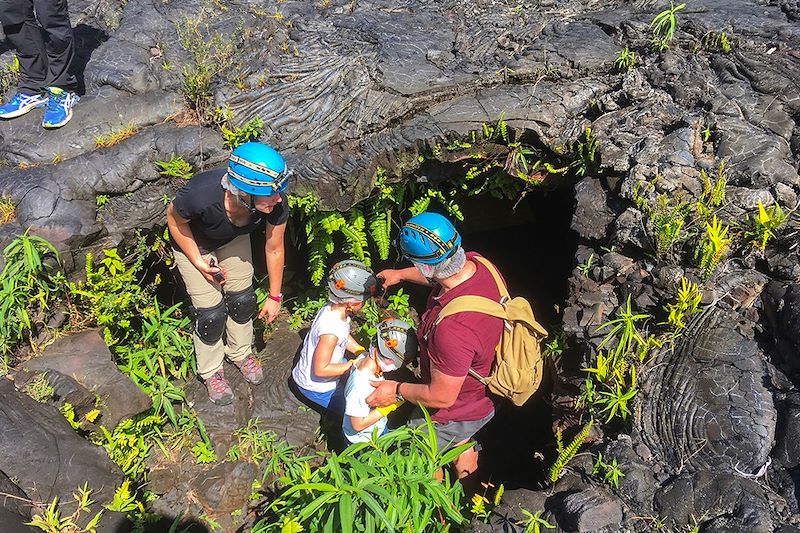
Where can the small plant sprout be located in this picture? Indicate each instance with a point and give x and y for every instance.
(8, 211)
(712, 247)
(608, 472)
(100, 200)
(586, 267)
(687, 302)
(761, 226)
(663, 27)
(615, 401)
(176, 167)
(534, 522)
(717, 41)
(625, 61)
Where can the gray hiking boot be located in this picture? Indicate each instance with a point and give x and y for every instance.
(219, 390)
(251, 369)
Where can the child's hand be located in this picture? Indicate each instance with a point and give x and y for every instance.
(389, 408)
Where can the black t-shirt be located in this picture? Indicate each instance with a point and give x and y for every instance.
(202, 203)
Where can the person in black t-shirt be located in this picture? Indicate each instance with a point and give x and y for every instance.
(210, 221)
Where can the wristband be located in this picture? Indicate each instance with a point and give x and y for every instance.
(277, 298)
(397, 396)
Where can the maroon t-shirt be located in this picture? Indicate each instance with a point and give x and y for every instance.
(459, 342)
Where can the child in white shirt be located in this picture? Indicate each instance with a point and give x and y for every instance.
(394, 343)
(322, 358)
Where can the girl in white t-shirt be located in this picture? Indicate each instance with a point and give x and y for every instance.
(394, 343)
(322, 358)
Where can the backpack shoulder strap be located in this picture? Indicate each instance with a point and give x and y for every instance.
(478, 304)
(495, 274)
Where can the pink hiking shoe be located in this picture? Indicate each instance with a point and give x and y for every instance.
(219, 390)
(251, 369)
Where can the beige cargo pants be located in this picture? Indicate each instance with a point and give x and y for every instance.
(236, 258)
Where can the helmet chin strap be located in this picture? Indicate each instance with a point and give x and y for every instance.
(251, 206)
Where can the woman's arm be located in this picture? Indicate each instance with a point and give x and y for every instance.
(321, 366)
(274, 258)
(184, 238)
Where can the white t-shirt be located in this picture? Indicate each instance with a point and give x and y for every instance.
(355, 398)
(327, 322)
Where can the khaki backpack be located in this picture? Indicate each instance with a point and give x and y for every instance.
(518, 367)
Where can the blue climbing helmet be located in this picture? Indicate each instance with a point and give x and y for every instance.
(429, 238)
(257, 169)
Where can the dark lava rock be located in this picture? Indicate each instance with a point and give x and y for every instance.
(274, 405)
(47, 459)
(592, 215)
(721, 502)
(589, 510)
(225, 487)
(85, 358)
(704, 405)
(508, 518)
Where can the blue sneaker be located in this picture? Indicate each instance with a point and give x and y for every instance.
(59, 107)
(21, 103)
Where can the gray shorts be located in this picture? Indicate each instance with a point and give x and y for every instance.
(451, 433)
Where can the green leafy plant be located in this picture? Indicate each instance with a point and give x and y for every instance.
(663, 27)
(203, 453)
(304, 310)
(250, 131)
(481, 505)
(625, 61)
(713, 194)
(623, 337)
(556, 344)
(761, 226)
(586, 267)
(100, 200)
(130, 443)
(27, 287)
(711, 247)
(534, 522)
(175, 167)
(615, 401)
(687, 302)
(565, 455)
(111, 295)
(51, 520)
(608, 472)
(386, 484)
(668, 216)
(585, 153)
(9, 75)
(39, 388)
(8, 210)
(124, 500)
(713, 40)
(211, 54)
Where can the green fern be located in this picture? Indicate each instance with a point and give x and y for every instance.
(380, 227)
(565, 455)
(355, 237)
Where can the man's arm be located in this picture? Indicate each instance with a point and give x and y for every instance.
(394, 276)
(274, 258)
(440, 393)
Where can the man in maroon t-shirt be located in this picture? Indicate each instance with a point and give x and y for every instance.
(460, 405)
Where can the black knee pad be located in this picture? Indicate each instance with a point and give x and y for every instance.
(210, 323)
(241, 305)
